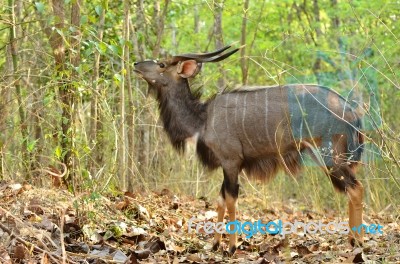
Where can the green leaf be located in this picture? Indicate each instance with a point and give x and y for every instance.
(102, 48)
(31, 145)
(84, 19)
(58, 152)
(116, 50)
(92, 19)
(59, 31)
(39, 7)
(118, 78)
(49, 98)
(65, 120)
(98, 9)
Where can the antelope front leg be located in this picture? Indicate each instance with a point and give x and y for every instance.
(355, 195)
(221, 208)
(230, 191)
(231, 206)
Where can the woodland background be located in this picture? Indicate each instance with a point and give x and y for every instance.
(69, 99)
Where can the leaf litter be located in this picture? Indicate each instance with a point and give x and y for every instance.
(44, 225)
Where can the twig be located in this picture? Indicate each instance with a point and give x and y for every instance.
(64, 254)
(54, 257)
(28, 244)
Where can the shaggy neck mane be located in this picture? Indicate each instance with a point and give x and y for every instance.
(182, 113)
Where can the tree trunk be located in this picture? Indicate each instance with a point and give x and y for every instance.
(219, 42)
(96, 126)
(123, 146)
(160, 20)
(318, 32)
(140, 22)
(243, 59)
(57, 45)
(133, 170)
(335, 18)
(21, 111)
(143, 131)
(75, 59)
(309, 21)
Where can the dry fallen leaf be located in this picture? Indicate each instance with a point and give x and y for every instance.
(44, 259)
(302, 250)
(132, 259)
(123, 205)
(142, 212)
(155, 245)
(142, 254)
(164, 237)
(19, 252)
(194, 257)
(4, 256)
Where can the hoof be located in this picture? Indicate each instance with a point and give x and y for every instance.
(355, 242)
(215, 247)
(230, 252)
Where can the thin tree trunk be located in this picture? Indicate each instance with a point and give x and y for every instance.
(309, 19)
(143, 130)
(318, 32)
(243, 59)
(5, 95)
(335, 22)
(75, 37)
(140, 22)
(57, 45)
(131, 137)
(132, 115)
(317, 16)
(254, 33)
(335, 18)
(297, 8)
(123, 146)
(75, 59)
(21, 111)
(219, 43)
(37, 129)
(160, 20)
(95, 134)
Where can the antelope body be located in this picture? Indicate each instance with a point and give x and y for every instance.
(259, 130)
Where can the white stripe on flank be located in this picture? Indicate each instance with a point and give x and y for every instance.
(236, 108)
(213, 122)
(266, 116)
(227, 113)
(244, 117)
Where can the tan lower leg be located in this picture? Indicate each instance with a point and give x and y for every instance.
(221, 208)
(355, 213)
(231, 206)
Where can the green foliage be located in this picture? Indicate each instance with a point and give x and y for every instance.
(40, 7)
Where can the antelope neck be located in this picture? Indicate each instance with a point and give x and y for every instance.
(182, 113)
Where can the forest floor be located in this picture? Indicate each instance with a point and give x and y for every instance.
(153, 228)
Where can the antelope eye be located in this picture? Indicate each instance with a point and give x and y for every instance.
(162, 65)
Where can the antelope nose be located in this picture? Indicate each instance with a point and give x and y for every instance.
(135, 63)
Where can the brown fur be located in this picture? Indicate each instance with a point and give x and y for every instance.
(259, 131)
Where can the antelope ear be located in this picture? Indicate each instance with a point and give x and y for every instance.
(188, 68)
